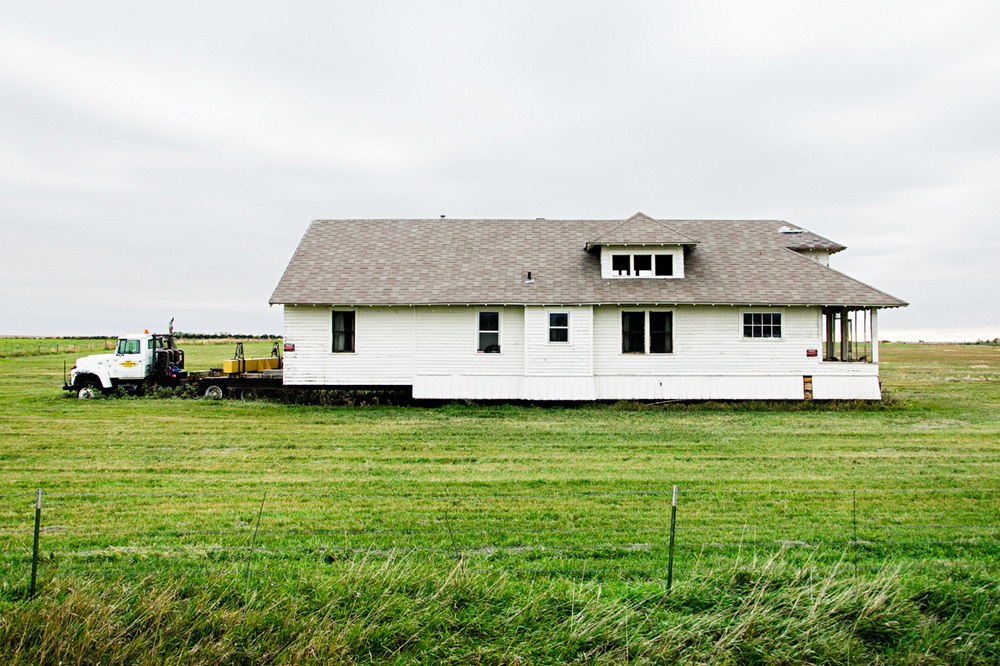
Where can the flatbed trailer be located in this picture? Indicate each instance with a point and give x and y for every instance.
(150, 359)
(222, 385)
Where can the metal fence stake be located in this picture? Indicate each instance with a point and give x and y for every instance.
(253, 540)
(34, 548)
(854, 520)
(451, 533)
(673, 533)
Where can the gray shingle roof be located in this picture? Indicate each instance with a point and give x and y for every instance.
(642, 230)
(446, 261)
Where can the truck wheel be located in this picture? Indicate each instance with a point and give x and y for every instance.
(214, 392)
(87, 391)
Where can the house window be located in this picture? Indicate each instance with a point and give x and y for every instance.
(661, 332)
(343, 331)
(642, 265)
(660, 327)
(761, 324)
(633, 332)
(558, 327)
(489, 332)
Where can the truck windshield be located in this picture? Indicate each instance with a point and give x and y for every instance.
(126, 346)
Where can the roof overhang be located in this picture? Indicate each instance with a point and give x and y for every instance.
(591, 245)
(655, 304)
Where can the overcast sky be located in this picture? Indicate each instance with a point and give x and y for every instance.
(163, 159)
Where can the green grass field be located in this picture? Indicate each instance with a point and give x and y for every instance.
(807, 532)
(38, 346)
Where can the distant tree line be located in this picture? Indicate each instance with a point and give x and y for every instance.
(224, 335)
(178, 334)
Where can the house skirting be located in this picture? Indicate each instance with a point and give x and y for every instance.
(718, 387)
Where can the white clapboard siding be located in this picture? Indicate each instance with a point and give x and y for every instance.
(708, 340)
(384, 347)
(468, 387)
(724, 387)
(558, 359)
(448, 337)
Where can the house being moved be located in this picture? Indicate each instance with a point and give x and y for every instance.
(578, 310)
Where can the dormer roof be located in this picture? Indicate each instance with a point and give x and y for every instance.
(640, 229)
(800, 239)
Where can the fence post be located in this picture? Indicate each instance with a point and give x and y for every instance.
(673, 533)
(253, 539)
(854, 529)
(451, 532)
(34, 548)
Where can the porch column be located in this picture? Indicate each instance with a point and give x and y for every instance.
(845, 336)
(831, 334)
(874, 335)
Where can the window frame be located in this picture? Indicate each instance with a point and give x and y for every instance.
(768, 326)
(480, 331)
(350, 332)
(627, 342)
(668, 331)
(123, 349)
(653, 261)
(559, 328)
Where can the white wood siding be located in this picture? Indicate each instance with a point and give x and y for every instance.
(383, 339)
(718, 387)
(708, 340)
(448, 363)
(559, 359)
(448, 337)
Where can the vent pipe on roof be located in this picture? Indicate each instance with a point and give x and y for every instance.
(530, 279)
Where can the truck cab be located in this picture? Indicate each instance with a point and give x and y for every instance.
(138, 359)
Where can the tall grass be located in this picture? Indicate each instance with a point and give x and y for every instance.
(387, 612)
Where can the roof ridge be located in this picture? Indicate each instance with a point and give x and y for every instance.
(640, 217)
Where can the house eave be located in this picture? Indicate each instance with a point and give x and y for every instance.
(592, 245)
(643, 303)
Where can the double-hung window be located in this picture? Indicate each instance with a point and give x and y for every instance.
(558, 327)
(761, 324)
(489, 332)
(647, 332)
(343, 330)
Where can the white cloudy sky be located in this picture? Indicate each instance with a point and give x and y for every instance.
(162, 159)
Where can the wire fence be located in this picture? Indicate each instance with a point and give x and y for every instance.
(641, 534)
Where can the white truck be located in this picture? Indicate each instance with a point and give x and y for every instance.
(139, 359)
(144, 359)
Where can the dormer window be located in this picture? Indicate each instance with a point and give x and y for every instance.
(659, 263)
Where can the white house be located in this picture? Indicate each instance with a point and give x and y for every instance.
(578, 310)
